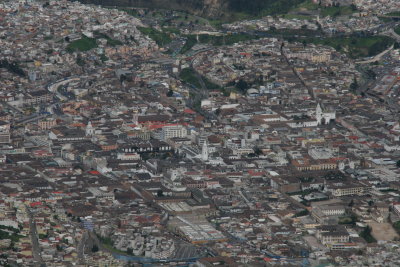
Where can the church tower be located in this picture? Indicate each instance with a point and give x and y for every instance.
(135, 119)
(89, 129)
(319, 114)
(204, 151)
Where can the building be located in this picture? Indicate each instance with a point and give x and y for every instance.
(37, 97)
(47, 123)
(332, 234)
(5, 137)
(324, 116)
(339, 190)
(172, 131)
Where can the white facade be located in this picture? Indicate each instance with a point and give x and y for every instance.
(168, 132)
(324, 117)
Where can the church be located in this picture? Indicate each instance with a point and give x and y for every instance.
(324, 115)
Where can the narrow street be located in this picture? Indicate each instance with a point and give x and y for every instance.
(36, 253)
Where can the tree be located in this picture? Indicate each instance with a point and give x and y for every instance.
(95, 248)
(258, 151)
(170, 93)
(398, 163)
(129, 251)
(242, 86)
(80, 61)
(366, 234)
(354, 84)
(160, 193)
(122, 78)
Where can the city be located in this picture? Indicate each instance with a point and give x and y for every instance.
(133, 136)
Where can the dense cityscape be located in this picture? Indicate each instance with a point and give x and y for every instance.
(133, 136)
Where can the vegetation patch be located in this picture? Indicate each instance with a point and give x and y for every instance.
(351, 219)
(188, 76)
(12, 67)
(161, 38)
(366, 234)
(83, 44)
(394, 14)
(263, 7)
(396, 226)
(324, 11)
(296, 16)
(335, 11)
(397, 30)
(354, 46)
(7, 232)
(110, 41)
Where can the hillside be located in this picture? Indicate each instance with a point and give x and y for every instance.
(208, 8)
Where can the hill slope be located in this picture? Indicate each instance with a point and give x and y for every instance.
(208, 8)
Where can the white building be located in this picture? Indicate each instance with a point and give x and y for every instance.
(172, 131)
(324, 116)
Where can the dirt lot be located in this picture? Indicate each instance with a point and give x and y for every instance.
(383, 231)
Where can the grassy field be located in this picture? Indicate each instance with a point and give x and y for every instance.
(83, 44)
(161, 38)
(355, 47)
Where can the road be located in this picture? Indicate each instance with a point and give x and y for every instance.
(30, 118)
(36, 253)
(394, 35)
(309, 90)
(249, 204)
(17, 110)
(377, 57)
(81, 246)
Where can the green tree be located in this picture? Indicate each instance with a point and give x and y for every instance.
(95, 248)
(242, 86)
(354, 84)
(170, 93)
(366, 234)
